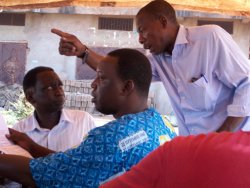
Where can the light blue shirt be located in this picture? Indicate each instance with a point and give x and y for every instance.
(207, 79)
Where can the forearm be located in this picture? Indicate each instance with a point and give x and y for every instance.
(93, 59)
(16, 168)
(28, 144)
(231, 123)
(37, 150)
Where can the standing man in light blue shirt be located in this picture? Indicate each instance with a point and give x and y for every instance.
(203, 70)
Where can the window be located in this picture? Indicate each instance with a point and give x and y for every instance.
(227, 25)
(123, 24)
(14, 19)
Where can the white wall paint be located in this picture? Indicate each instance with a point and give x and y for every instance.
(43, 45)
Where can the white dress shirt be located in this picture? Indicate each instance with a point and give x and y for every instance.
(73, 126)
(207, 78)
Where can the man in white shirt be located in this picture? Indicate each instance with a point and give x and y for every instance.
(50, 125)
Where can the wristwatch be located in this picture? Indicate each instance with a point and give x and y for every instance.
(84, 55)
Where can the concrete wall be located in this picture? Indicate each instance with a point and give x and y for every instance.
(43, 45)
(241, 32)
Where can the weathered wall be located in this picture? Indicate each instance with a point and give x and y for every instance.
(43, 45)
(241, 32)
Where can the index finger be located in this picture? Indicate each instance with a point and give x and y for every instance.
(12, 131)
(60, 33)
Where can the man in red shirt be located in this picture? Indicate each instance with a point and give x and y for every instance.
(215, 160)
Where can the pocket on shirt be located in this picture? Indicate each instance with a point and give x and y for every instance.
(199, 95)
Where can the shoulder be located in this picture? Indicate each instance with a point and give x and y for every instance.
(23, 124)
(145, 119)
(206, 32)
(77, 114)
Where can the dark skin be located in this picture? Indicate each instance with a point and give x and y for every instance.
(125, 100)
(28, 144)
(70, 45)
(109, 87)
(16, 168)
(156, 34)
(48, 98)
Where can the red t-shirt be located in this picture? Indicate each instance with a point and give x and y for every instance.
(216, 160)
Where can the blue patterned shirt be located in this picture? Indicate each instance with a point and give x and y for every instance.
(107, 151)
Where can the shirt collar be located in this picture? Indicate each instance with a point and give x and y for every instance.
(65, 117)
(181, 36)
(34, 124)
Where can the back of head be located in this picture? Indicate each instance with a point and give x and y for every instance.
(133, 65)
(30, 78)
(158, 8)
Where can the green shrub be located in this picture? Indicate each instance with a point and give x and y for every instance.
(20, 110)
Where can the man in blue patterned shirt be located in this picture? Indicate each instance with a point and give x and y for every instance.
(120, 88)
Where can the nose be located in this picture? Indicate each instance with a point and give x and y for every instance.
(93, 84)
(59, 91)
(141, 38)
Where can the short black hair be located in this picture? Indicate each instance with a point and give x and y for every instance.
(30, 78)
(157, 8)
(133, 65)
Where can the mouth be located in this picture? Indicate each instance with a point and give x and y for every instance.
(59, 103)
(150, 48)
(60, 99)
(146, 47)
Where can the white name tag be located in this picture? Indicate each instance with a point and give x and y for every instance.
(133, 140)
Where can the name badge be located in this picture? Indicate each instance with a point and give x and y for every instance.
(133, 140)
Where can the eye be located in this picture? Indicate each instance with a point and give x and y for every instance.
(140, 30)
(101, 77)
(61, 85)
(49, 88)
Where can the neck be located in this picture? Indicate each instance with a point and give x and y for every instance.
(48, 120)
(139, 105)
(170, 48)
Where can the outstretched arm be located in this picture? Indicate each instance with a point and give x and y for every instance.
(70, 45)
(16, 168)
(28, 144)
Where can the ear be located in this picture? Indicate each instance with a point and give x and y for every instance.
(163, 20)
(29, 95)
(128, 87)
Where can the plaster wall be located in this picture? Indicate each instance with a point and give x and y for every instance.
(43, 45)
